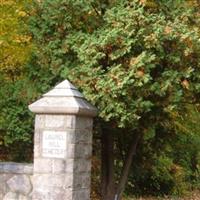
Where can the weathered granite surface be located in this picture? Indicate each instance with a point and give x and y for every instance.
(15, 181)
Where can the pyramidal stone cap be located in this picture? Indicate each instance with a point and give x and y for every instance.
(63, 99)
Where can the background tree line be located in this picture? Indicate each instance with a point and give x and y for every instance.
(136, 61)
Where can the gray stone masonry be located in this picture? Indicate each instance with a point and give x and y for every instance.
(15, 181)
(62, 145)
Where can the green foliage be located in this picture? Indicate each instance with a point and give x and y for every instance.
(137, 62)
(13, 115)
(188, 148)
(128, 61)
(15, 42)
(15, 120)
(15, 50)
(168, 161)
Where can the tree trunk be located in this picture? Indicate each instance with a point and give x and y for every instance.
(107, 164)
(109, 190)
(127, 166)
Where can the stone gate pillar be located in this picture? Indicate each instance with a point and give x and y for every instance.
(62, 145)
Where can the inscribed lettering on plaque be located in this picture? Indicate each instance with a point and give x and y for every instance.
(54, 144)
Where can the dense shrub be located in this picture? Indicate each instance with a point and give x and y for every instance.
(15, 121)
(168, 161)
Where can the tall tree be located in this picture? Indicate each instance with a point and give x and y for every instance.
(137, 61)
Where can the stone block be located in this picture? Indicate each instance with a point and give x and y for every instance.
(20, 184)
(81, 180)
(1, 195)
(70, 151)
(82, 165)
(11, 167)
(28, 169)
(79, 151)
(83, 151)
(69, 178)
(40, 121)
(83, 194)
(78, 165)
(22, 197)
(42, 165)
(58, 166)
(84, 122)
(54, 121)
(11, 196)
(3, 185)
(51, 193)
(16, 168)
(79, 136)
(70, 122)
(69, 166)
(52, 180)
(37, 143)
(1, 167)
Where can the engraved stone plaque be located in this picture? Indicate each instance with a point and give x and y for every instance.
(54, 144)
